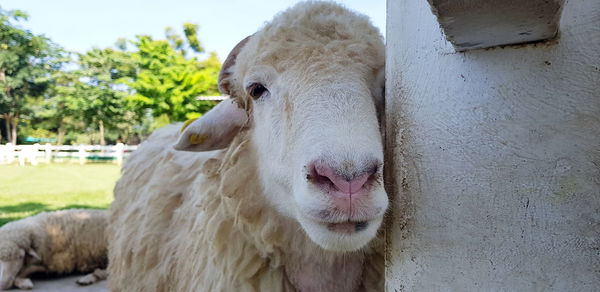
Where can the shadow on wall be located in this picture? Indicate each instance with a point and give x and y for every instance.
(15, 212)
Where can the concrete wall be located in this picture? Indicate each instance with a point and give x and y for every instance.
(476, 24)
(493, 158)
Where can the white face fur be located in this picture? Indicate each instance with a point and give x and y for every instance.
(310, 137)
(9, 270)
(319, 147)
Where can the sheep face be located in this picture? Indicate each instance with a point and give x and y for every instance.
(308, 87)
(320, 151)
(10, 266)
(319, 148)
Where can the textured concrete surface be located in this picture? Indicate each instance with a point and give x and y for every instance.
(474, 24)
(494, 158)
(64, 284)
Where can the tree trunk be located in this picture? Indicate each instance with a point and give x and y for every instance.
(14, 122)
(10, 123)
(61, 136)
(10, 119)
(102, 142)
(61, 133)
(6, 120)
(7, 126)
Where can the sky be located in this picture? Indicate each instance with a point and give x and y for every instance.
(79, 25)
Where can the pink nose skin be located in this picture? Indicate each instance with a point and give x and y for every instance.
(343, 187)
(346, 191)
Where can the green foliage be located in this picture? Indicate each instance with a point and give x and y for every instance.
(121, 44)
(174, 39)
(27, 130)
(92, 98)
(191, 34)
(168, 83)
(113, 94)
(100, 89)
(25, 59)
(160, 122)
(60, 112)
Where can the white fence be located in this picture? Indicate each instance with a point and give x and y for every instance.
(64, 153)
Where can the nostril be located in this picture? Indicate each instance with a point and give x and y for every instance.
(323, 175)
(326, 176)
(321, 179)
(373, 169)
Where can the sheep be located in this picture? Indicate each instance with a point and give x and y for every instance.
(281, 188)
(58, 242)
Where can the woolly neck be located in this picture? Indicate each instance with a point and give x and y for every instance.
(280, 240)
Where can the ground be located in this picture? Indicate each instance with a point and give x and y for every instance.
(28, 190)
(65, 284)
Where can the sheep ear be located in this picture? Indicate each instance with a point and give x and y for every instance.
(33, 254)
(224, 81)
(214, 130)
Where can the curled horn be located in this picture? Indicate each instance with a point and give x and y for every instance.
(224, 81)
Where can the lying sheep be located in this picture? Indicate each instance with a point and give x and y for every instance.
(57, 242)
(293, 197)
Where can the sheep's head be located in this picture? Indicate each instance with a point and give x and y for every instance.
(11, 261)
(308, 87)
(14, 257)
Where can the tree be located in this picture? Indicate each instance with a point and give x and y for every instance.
(100, 89)
(168, 83)
(25, 59)
(61, 111)
(112, 92)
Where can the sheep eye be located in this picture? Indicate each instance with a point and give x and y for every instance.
(256, 90)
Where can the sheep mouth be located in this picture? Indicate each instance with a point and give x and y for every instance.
(340, 223)
(347, 227)
(340, 235)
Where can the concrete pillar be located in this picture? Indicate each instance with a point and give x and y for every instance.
(493, 158)
(478, 24)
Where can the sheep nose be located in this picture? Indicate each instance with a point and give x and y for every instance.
(345, 182)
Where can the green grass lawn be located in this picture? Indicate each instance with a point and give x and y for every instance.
(28, 190)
